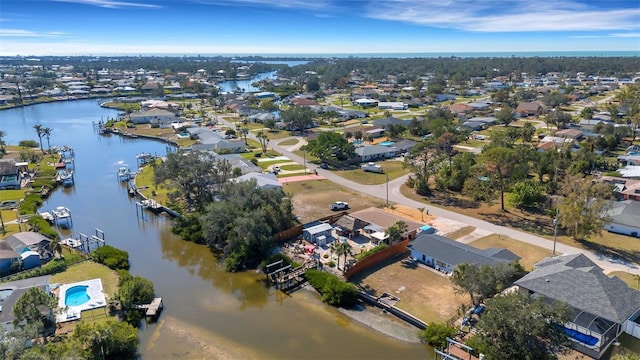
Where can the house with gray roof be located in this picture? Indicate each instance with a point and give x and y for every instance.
(263, 181)
(603, 307)
(153, 116)
(390, 120)
(212, 140)
(375, 152)
(625, 218)
(10, 292)
(444, 254)
(27, 248)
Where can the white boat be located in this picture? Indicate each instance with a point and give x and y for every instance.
(125, 174)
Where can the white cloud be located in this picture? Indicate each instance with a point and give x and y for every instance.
(111, 4)
(311, 5)
(626, 35)
(506, 16)
(28, 33)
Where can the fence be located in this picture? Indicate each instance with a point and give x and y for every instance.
(295, 231)
(377, 258)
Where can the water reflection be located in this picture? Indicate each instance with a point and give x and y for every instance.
(208, 313)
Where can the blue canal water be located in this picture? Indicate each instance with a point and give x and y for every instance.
(208, 313)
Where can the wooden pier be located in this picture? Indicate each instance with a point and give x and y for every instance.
(152, 309)
(286, 278)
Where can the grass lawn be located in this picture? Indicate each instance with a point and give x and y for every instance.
(609, 244)
(529, 254)
(392, 168)
(629, 279)
(424, 293)
(145, 184)
(311, 198)
(292, 167)
(289, 142)
(11, 195)
(89, 270)
(461, 232)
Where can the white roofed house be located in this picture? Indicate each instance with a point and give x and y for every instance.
(263, 181)
(153, 115)
(602, 307)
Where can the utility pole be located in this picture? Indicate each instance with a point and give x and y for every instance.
(555, 234)
(387, 175)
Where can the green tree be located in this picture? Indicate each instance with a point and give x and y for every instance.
(298, 118)
(39, 128)
(527, 131)
(107, 340)
(423, 160)
(436, 334)
(481, 282)
(516, 326)
(506, 115)
(526, 193)
(264, 141)
(34, 307)
(502, 166)
(268, 105)
(56, 247)
(331, 145)
(46, 132)
(396, 232)
(2, 144)
(341, 249)
(583, 207)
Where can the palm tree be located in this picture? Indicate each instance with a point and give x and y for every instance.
(341, 248)
(38, 128)
(47, 132)
(2, 134)
(56, 247)
(421, 209)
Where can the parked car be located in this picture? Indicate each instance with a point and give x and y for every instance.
(372, 167)
(324, 166)
(339, 205)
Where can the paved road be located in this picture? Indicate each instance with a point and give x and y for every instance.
(391, 191)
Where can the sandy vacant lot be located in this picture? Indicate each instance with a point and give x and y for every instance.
(423, 292)
(311, 198)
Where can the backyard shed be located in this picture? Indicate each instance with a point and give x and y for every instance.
(312, 234)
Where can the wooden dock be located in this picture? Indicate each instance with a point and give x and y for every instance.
(153, 309)
(286, 278)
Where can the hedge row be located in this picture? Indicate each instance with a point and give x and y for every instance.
(334, 291)
(111, 257)
(377, 248)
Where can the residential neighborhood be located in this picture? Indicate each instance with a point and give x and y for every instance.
(411, 189)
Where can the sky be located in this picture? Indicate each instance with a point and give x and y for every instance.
(240, 27)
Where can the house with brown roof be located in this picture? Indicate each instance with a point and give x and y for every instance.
(529, 108)
(460, 108)
(375, 222)
(573, 134)
(302, 101)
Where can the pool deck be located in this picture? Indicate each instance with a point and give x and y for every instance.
(96, 300)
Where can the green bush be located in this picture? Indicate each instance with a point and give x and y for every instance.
(436, 334)
(28, 144)
(43, 227)
(52, 267)
(111, 257)
(334, 291)
(30, 204)
(364, 254)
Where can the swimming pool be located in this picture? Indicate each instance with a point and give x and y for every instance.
(76, 296)
(386, 143)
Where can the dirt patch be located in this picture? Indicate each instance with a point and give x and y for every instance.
(423, 292)
(311, 198)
